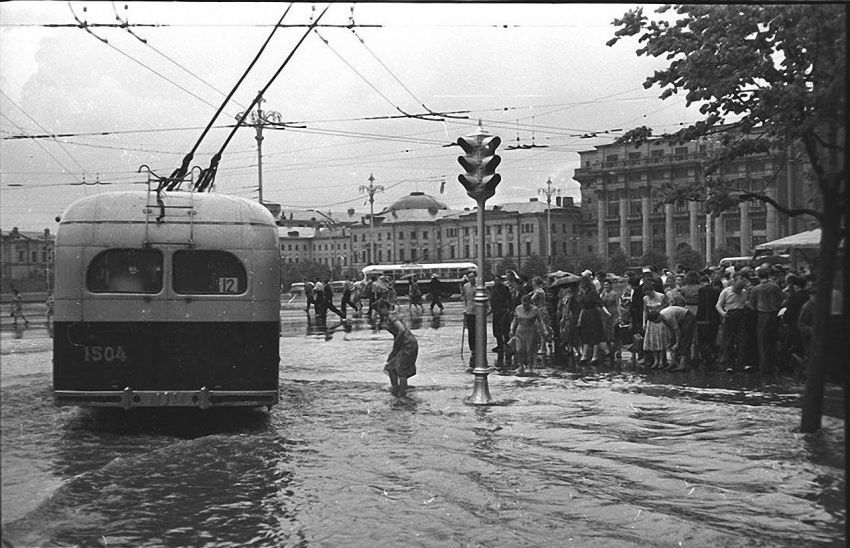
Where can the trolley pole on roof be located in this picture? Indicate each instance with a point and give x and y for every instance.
(259, 119)
(371, 189)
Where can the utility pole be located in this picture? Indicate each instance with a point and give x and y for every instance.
(371, 189)
(259, 119)
(549, 192)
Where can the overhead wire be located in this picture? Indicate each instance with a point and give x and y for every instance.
(33, 120)
(177, 176)
(85, 26)
(207, 177)
(125, 24)
(54, 158)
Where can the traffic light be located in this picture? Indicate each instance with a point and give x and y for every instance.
(480, 162)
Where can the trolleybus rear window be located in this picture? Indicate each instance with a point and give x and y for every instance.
(205, 272)
(125, 271)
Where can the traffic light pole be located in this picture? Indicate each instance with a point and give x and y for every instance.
(481, 389)
(480, 180)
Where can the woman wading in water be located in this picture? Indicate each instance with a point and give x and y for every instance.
(401, 363)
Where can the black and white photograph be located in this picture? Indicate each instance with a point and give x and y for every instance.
(455, 274)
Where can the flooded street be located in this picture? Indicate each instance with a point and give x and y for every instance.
(596, 458)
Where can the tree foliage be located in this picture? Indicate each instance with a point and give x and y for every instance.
(589, 261)
(291, 273)
(766, 77)
(688, 257)
(618, 262)
(534, 266)
(505, 264)
(654, 258)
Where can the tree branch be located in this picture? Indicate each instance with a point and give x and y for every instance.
(779, 207)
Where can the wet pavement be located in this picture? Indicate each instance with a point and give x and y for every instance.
(595, 457)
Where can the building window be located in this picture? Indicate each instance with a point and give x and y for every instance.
(425, 235)
(425, 254)
(466, 231)
(614, 208)
(452, 252)
(498, 229)
(412, 235)
(487, 230)
(634, 177)
(554, 228)
(612, 158)
(760, 224)
(733, 225)
(466, 250)
(636, 249)
(380, 255)
(527, 249)
(635, 230)
(488, 251)
(681, 228)
(510, 229)
(413, 254)
(681, 172)
(401, 255)
(499, 249)
(634, 155)
(510, 249)
(681, 151)
(401, 235)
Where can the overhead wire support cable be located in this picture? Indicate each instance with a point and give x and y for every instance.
(207, 176)
(55, 159)
(85, 26)
(178, 174)
(125, 24)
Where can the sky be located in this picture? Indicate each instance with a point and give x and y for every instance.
(96, 106)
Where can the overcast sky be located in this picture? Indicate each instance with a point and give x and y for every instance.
(534, 74)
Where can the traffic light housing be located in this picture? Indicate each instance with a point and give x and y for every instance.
(480, 162)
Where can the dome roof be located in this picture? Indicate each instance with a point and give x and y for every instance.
(417, 200)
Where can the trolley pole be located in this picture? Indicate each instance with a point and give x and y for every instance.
(371, 189)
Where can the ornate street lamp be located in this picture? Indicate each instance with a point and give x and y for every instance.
(259, 119)
(371, 189)
(549, 192)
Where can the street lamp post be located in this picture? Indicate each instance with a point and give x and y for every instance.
(480, 181)
(549, 192)
(371, 189)
(259, 119)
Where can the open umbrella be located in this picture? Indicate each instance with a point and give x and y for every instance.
(566, 280)
(557, 274)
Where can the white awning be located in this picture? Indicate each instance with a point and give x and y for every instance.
(808, 239)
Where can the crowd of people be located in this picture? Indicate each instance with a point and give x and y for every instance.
(747, 320)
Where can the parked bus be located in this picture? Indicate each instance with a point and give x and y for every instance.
(170, 300)
(453, 275)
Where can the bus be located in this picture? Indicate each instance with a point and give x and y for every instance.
(166, 300)
(453, 275)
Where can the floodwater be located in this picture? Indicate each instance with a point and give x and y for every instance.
(597, 458)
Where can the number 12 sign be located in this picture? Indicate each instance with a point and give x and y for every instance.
(228, 285)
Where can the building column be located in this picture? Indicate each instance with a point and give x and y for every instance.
(624, 223)
(772, 215)
(670, 234)
(708, 254)
(693, 227)
(646, 232)
(746, 229)
(602, 236)
(719, 233)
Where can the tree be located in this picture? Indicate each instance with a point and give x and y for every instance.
(590, 261)
(618, 262)
(505, 264)
(688, 257)
(561, 262)
(534, 266)
(654, 258)
(768, 77)
(291, 273)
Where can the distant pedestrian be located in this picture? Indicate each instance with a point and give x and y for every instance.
(415, 295)
(347, 291)
(467, 295)
(311, 296)
(682, 324)
(329, 300)
(435, 292)
(766, 299)
(401, 363)
(500, 304)
(18, 308)
(733, 306)
(657, 336)
(527, 330)
(48, 305)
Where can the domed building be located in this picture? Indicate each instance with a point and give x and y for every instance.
(416, 200)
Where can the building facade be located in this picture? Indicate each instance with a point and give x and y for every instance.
(419, 228)
(622, 209)
(26, 260)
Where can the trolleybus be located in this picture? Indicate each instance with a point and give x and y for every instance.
(166, 300)
(453, 275)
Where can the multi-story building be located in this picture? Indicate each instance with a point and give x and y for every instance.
(26, 260)
(621, 203)
(420, 228)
